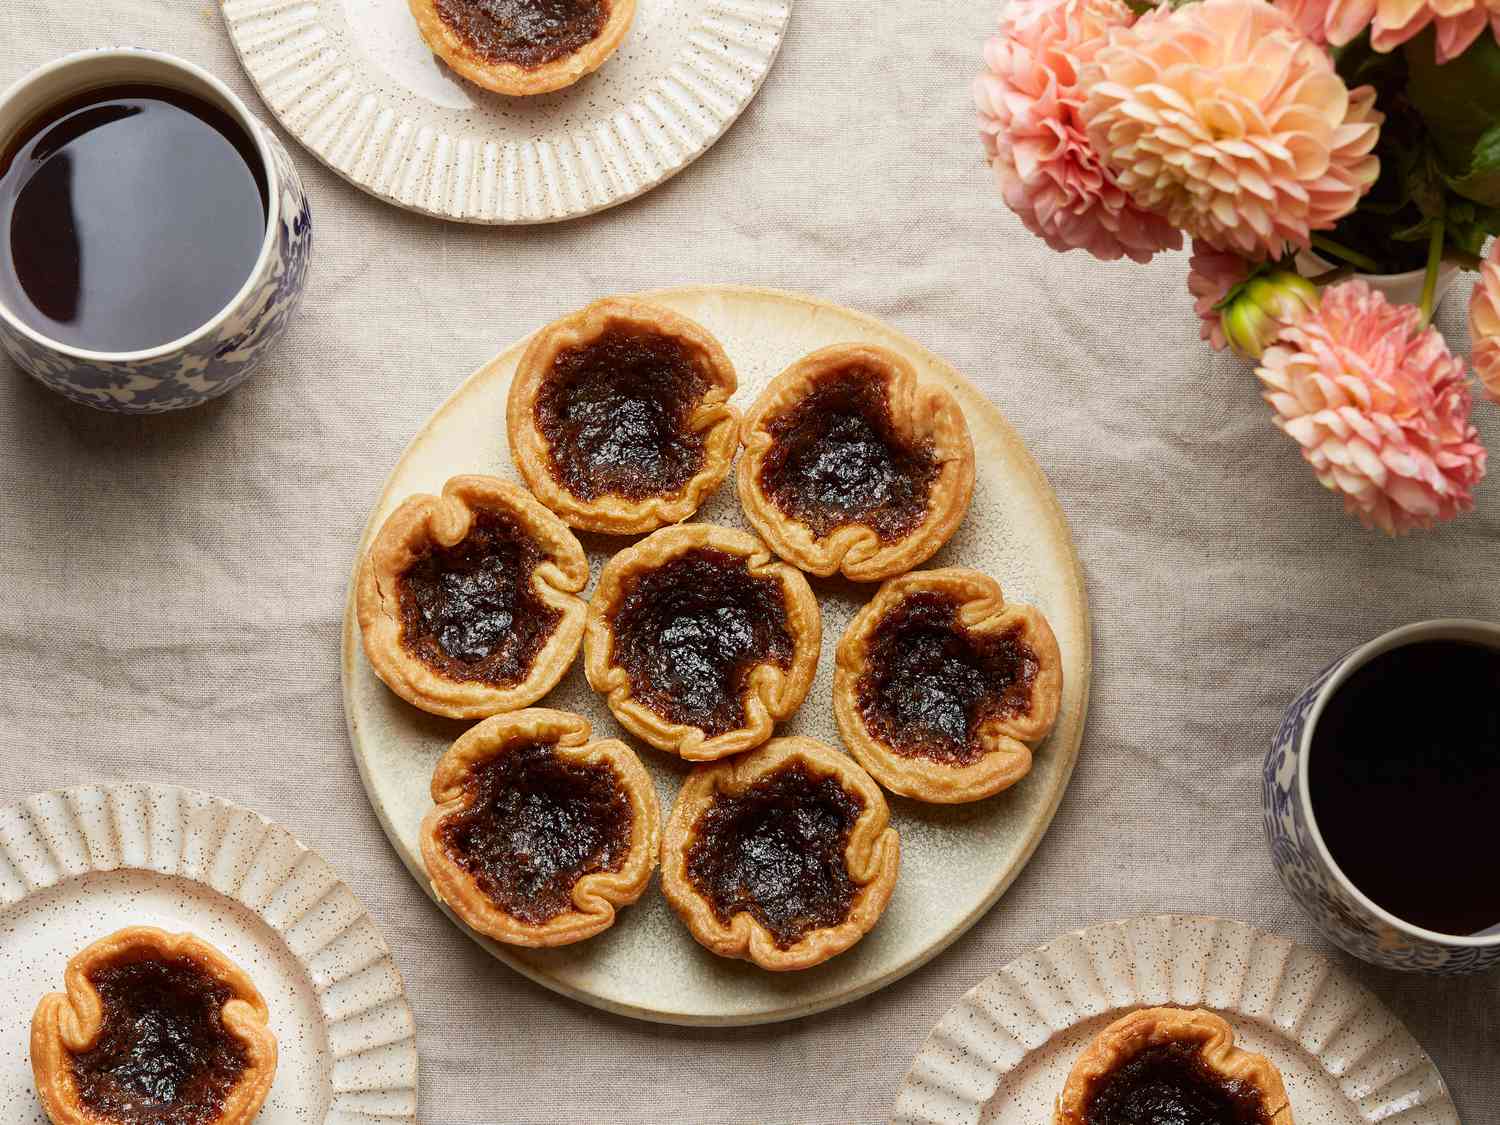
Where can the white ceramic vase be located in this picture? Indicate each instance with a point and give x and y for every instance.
(1399, 288)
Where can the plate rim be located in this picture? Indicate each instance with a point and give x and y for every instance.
(1042, 823)
(185, 797)
(366, 185)
(936, 1045)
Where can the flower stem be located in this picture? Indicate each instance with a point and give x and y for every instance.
(1339, 250)
(1434, 264)
(1332, 277)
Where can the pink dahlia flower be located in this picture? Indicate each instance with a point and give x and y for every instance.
(1393, 22)
(1484, 323)
(1029, 100)
(1329, 21)
(1226, 120)
(1380, 408)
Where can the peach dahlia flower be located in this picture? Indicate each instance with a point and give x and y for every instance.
(1029, 100)
(1393, 22)
(1380, 408)
(1223, 118)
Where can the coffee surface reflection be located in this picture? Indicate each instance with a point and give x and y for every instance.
(132, 215)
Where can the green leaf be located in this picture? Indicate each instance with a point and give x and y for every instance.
(1459, 101)
(1481, 182)
(1417, 232)
(1439, 151)
(1425, 185)
(1471, 224)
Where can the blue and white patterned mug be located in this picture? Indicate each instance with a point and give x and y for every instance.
(1346, 916)
(220, 354)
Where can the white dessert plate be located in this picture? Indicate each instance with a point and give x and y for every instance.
(956, 861)
(1003, 1053)
(79, 864)
(354, 82)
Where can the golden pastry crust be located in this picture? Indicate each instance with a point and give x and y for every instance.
(423, 522)
(596, 895)
(1005, 740)
(771, 693)
(872, 857)
(512, 78)
(921, 414)
(69, 1023)
(713, 417)
(1122, 1040)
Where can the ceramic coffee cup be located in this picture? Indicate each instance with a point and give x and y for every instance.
(220, 354)
(1347, 917)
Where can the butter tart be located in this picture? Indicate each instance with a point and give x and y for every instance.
(940, 685)
(851, 465)
(783, 856)
(154, 1029)
(538, 834)
(700, 640)
(1171, 1064)
(468, 601)
(619, 416)
(523, 47)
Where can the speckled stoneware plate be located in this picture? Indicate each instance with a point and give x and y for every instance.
(354, 82)
(1002, 1054)
(956, 860)
(79, 864)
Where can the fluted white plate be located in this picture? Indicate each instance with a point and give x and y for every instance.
(353, 81)
(956, 860)
(79, 864)
(1002, 1054)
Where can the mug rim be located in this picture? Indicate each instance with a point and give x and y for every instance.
(253, 129)
(1442, 628)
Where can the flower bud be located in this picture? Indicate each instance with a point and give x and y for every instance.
(1255, 316)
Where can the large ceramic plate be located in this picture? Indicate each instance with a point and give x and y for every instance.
(78, 864)
(353, 81)
(1004, 1051)
(956, 861)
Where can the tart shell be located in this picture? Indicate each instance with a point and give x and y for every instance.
(511, 78)
(1006, 742)
(713, 417)
(921, 412)
(597, 895)
(873, 856)
(70, 1022)
(423, 521)
(771, 693)
(1122, 1040)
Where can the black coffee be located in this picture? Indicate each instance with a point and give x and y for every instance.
(1404, 772)
(132, 216)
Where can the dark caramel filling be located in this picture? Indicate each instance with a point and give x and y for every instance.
(930, 683)
(469, 611)
(777, 852)
(615, 415)
(1172, 1085)
(533, 825)
(527, 33)
(689, 632)
(164, 1056)
(836, 459)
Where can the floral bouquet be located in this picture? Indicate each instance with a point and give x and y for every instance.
(1355, 137)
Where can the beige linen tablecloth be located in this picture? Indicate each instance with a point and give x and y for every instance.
(172, 587)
